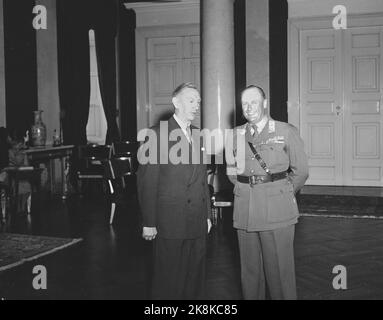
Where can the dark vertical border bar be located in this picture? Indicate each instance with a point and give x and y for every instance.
(239, 55)
(127, 72)
(20, 64)
(278, 15)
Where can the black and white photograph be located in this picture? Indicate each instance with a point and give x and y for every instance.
(191, 155)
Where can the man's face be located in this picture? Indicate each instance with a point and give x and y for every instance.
(253, 105)
(187, 104)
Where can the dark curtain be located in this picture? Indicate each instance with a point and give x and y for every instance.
(105, 28)
(239, 56)
(20, 65)
(278, 14)
(127, 73)
(74, 69)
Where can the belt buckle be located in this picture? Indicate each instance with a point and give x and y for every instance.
(253, 180)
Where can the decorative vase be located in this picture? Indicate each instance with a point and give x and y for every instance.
(38, 130)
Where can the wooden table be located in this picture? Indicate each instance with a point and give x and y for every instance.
(38, 155)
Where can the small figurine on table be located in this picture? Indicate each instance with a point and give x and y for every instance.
(56, 138)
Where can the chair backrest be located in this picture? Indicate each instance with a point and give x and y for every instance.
(116, 168)
(124, 148)
(94, 152)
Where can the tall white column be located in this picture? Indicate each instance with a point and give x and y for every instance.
(2, 69)
(47, 70)
(218, 78)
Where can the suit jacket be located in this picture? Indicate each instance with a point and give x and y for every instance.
(174, 198)
(269, 205)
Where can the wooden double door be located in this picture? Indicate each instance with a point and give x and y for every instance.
(171, 61)
(341, 87)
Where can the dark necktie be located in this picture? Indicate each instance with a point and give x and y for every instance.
(188, 130)
(255, 130)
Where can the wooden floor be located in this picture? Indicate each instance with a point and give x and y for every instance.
(114, 262)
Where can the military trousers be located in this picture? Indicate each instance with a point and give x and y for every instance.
(267, 256)
(179, 269)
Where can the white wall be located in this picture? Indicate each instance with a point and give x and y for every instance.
(309, 8)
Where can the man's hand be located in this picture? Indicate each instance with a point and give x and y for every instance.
(149, 233)
(208, 225)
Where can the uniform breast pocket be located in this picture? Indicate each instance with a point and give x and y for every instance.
(278, 153)
(266, 152)
(281, 203)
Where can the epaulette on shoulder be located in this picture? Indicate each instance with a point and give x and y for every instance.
(286, 125)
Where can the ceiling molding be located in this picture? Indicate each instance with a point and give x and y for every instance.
(149, 7)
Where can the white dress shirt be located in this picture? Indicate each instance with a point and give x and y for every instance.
(184, 127)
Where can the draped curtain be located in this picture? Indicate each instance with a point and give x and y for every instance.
(75, 19)
(74, 69)
(105, 28)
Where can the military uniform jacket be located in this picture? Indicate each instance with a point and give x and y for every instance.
(174, 198)
(270, 205)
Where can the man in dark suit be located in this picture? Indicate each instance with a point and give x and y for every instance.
(174, 200)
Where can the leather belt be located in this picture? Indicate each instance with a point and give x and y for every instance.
(258, 179)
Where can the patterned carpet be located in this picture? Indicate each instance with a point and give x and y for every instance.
(16, 249)
(346, 206)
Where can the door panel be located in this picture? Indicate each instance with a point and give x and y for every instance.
(165, 48)
(363, 119)
(171, 61)
(191, 73)
(191, 47)
(164, 76)
(341, 97)
(321, 98)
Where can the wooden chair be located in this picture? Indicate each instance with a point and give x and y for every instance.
(15, 175)
(219, 199)
(90, 159)
(128, 149)
(116, 170)
(4, 194)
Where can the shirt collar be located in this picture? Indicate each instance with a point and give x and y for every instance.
(260, 125)
(181, 123)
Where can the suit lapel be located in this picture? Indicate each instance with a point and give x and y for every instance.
(191, 168)
(191, 151)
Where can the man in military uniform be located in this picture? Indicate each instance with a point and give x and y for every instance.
(267, 173)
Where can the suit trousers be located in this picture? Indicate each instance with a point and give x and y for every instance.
(270, 255)
(179, 269)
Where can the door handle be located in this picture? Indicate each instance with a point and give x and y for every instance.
(337, 110)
